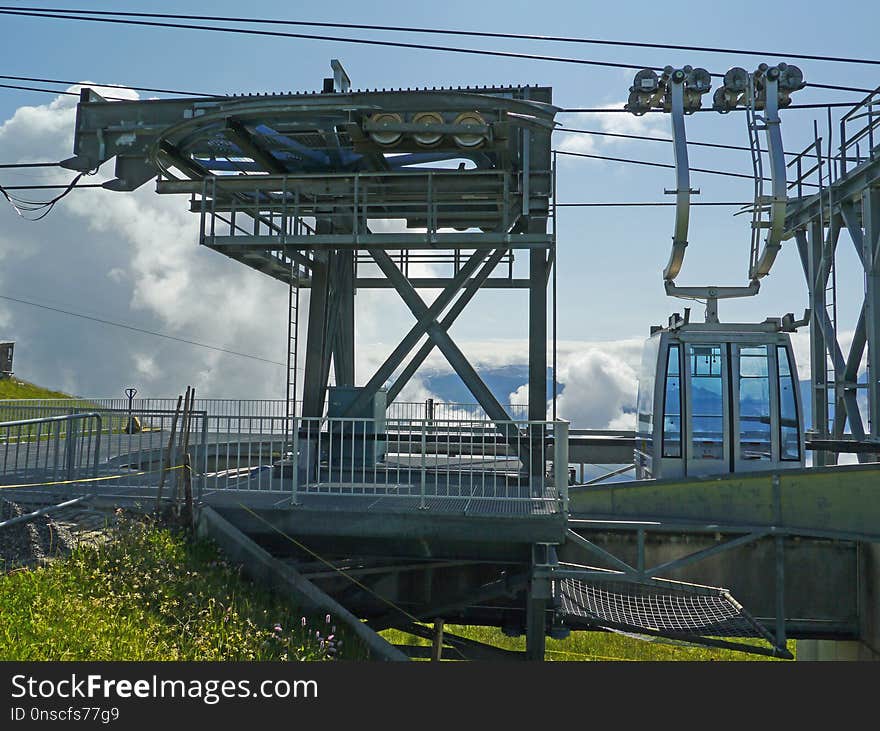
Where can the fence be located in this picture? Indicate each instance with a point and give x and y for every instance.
(414, 460)
(50, 449)
(241, 408)
(860, 132)
(39, 449)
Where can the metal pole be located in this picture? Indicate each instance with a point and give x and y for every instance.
(780, 591)
(131, 393)
(422, 505)
(294, 461)
(43, 511)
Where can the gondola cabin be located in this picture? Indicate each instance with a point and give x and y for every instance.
(717, 398)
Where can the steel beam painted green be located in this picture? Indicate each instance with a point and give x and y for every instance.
(841, 499)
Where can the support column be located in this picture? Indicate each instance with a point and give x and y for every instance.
(818, 377)
(871, 258)
(538, 268)
(317, 347)
(343, 301)
(538, 596)
(537, 335)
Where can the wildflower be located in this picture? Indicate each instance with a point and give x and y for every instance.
(277, 628)
(303, 621)
(327, 619)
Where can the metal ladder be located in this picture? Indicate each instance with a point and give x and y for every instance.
(755, 124)
(832, 397)
(830, 377)
(292, 341)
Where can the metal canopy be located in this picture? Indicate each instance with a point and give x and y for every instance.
(302, 188)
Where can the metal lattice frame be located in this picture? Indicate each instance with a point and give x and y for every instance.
(293, 185)
(678, 611)
(848, 201)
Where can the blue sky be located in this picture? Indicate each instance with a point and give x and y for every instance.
(609, 279)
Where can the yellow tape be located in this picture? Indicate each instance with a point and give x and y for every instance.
(93, 479)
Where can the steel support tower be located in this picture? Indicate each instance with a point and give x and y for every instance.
(848, 199)
(302, 187)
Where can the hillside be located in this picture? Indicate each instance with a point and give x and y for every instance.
(13, 388)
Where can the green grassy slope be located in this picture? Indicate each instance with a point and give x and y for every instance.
(152, 594)
(13, 388)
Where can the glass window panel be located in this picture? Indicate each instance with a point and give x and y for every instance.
(707, 402)
(789, 434)
(650, 354)
(706, 360)
(672, 405)
(754, 403)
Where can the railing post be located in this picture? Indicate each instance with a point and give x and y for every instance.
(100, 425)
(294, 463)
(203, 478)
(422, 505)
(70, 446)
(560, 461)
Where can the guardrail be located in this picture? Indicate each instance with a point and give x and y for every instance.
(133, 456)
(283, 207)
(50, 449)
(239, 408)
(415, 462)
(862, 143)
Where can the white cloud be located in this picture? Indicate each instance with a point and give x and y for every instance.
(601, 383)
(520, 396)
(134, 258)
(614, 122)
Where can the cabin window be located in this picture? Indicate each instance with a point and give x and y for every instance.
(789, 436)
(707, 402)
(754, 403)
(672, 405)
(646, 390)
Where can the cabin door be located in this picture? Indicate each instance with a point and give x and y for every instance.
(707, 408)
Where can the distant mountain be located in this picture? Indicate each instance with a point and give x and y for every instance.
(505, 380)
(501, 381)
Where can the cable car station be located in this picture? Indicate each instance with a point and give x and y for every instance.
(735, 523)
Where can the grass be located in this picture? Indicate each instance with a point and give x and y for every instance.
(16, 389)
(153, 594)
(13, 388)
(585, 646)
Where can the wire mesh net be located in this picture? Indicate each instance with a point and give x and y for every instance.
(676, 610)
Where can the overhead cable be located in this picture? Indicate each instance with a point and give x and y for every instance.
(62, 14)
(466, 33)
(141, 330)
